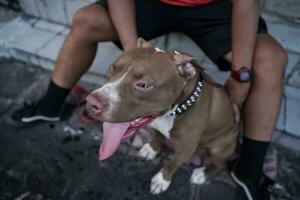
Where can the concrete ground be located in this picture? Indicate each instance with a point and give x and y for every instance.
(60, 161)
(7, 15)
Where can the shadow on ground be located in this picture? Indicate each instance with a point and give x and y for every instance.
(60, 161)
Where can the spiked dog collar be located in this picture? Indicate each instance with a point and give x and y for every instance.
(185, 105)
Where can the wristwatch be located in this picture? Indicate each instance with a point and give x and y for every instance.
(242, 75)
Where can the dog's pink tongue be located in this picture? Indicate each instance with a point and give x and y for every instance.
(112, 136)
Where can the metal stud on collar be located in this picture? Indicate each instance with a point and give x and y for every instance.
(190, 101)
(159, 50)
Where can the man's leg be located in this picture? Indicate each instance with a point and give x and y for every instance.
(263, 103)
(262, 106)
(90, 25)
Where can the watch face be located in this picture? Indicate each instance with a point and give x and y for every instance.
(245, 76)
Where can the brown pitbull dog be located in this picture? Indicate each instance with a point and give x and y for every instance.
(170, 93)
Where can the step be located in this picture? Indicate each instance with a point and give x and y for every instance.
(288, 9)
(38, 42)
(58, 11)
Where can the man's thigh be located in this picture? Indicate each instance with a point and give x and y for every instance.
(210, 28)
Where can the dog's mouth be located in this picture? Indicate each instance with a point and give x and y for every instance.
(114, 133)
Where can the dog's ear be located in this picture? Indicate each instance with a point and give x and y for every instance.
(143, 43)
(184, 65)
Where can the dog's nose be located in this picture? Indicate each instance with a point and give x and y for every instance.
(94, 104)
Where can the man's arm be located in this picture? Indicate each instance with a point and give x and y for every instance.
(244, 31)
(123, 17)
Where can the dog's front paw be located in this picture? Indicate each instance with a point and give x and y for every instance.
(147, 152)
(159, 184)
(198, 176)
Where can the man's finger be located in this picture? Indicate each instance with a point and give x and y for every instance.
(236, 111)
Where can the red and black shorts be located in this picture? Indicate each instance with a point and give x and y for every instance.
(209, 25)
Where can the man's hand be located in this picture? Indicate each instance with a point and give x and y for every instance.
(238, 93)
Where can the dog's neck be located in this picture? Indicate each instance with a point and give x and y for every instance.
(189, 94)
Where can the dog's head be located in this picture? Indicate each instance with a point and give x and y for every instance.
(142, 82)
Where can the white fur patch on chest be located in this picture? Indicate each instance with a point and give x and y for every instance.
(164, 123)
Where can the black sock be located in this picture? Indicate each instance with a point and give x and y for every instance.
(250, 165)
(52, 102)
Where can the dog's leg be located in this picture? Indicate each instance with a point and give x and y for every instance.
(183, 151)
(149, 151)
(198, 176)
(217, 159)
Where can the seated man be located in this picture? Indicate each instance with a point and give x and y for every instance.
(227, 31)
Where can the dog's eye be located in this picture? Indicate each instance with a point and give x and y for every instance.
(143, 85)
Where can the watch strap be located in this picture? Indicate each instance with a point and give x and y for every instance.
(235, 75)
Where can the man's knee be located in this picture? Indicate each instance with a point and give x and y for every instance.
(89, 20)
(270, 60)
(81, 21)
